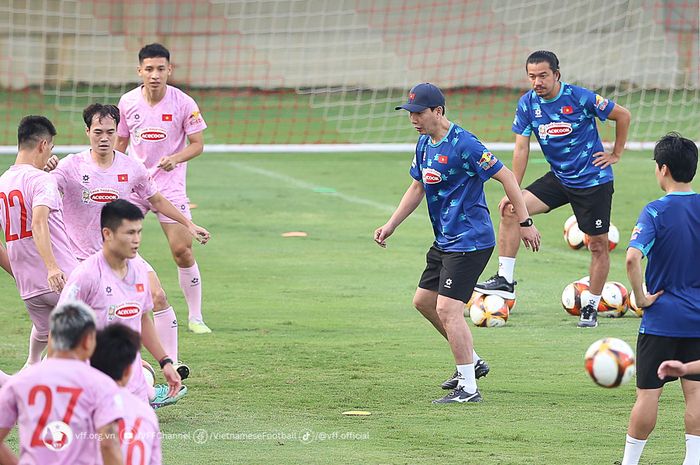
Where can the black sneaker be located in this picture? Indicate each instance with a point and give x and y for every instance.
(481, 369)
(459, 395)
(589, 317)
(497, 285)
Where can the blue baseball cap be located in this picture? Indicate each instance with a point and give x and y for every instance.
(422, 96)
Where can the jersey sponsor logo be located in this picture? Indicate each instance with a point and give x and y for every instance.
(600, 102)
(196, 117)
(487, 161)
(636, 231)
(557, 129)
(127, 311)
(153, 134)
(567, 110)
(538, 113)
(166, 117)
(103, 195)
(442, 159)
(431, 176)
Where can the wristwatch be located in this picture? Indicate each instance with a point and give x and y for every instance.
(527, 223)
(164, 361)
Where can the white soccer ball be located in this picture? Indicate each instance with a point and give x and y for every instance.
(573, 235)
(148, 373)
(610, 362)
(489, 311)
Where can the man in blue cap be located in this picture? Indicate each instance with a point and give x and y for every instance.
(449, 168)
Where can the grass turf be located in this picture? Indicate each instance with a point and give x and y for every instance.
(306, 328)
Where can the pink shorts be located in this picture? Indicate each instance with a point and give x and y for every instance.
(39, 308)
(180, 200)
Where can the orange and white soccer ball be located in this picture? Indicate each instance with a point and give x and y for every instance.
(571, 297)
(613, 300)
(572, 234)
(613, 237)
(476, 294)
(610, 362)
(489, 311)
(148, 373)
(632, 303)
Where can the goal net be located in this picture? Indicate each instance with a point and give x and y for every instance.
(331, 71)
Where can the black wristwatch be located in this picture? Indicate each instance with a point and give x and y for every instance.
(164, 361)
(527, 223)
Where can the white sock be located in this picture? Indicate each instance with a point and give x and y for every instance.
(475, 356)
(633, 450)
(692, 450)
(593, 301)
(506, 268)
(466, 380)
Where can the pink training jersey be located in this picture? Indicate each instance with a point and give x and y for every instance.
(159, 131)
(60, 404)
(139, 432)
(87, 187)
(22, 188)
(114, 300)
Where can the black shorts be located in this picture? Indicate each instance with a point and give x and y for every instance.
(591, 205)
(454, 274)
(652, 350)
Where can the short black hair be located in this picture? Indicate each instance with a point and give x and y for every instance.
(102, 111)
(33, 129)
(544, 56)
(154, 50)
(679, 154)
(116, 349)
(113, 213)
(444, 109)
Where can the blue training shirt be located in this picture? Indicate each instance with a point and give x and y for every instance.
(453, 172)
(668, 234)
(566, 129)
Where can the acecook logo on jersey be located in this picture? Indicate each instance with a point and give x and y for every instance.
(100, 195)
(153, 134)
(554, 130)
(125, 311)
(431, 176)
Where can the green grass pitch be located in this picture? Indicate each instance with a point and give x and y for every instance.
(306, 328)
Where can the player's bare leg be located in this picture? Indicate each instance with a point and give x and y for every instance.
(180, 242)
(642, 423)
(691, 392)
(503, 282)
(451, 313)
(165, 321)
(425, 302)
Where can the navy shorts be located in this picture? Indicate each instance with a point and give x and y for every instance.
(454, 274)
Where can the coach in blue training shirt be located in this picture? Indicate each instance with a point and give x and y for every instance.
(449, 168)
(668, 234)
(562, 117)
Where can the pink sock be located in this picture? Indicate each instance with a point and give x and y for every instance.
(3, 377)
(37, 344)
(166, 327)
(191, 285)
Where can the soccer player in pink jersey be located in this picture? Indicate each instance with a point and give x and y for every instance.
(67, 411)
(156, 121)
(114, 282)
(31, 217)
(139, 432)
(100, 174)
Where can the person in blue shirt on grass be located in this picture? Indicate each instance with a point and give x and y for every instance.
(563, 118)
(449, 169)
(667, 233)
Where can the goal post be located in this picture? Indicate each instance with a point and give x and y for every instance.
(328, 73)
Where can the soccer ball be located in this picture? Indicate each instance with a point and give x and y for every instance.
(148, 373)
(610, 362)
(571, 297)
(632, 303)
(476, 294)
(572, 234)
(613, 300)
(613, 237)
(489, 311)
